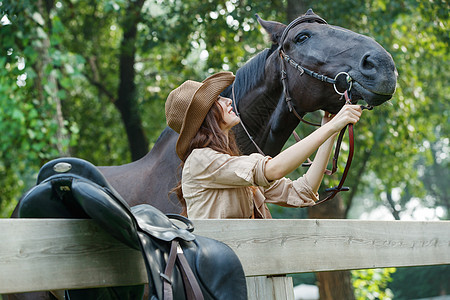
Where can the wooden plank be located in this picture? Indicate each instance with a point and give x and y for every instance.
(54, 254)
(51, 254)
(294, 246)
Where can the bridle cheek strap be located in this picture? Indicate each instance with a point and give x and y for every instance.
(284, 57)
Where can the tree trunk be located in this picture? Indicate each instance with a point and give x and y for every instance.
(336, 284)
(127, 97)
(44, 8)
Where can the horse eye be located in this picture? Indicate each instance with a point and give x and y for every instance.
(300, 38)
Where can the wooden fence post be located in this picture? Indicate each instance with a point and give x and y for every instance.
(270, 288)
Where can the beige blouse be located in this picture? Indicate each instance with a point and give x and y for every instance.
(216, 186)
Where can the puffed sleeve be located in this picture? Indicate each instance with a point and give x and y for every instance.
(212, 169)
(293, 193)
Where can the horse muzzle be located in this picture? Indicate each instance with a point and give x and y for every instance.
(371, 98)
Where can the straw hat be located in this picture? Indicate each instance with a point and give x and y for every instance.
(187, 106)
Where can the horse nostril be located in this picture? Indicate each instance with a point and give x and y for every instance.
(368, 65)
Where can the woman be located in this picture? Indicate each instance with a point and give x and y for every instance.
(218, 182)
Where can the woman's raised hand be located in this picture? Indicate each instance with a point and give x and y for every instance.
(349, 114)
(292, 157)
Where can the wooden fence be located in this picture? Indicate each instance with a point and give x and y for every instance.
(55, 254)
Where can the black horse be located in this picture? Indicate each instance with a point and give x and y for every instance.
(260, 98)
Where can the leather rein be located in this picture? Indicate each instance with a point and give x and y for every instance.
(346, 95)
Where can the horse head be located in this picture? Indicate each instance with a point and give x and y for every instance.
(329, 50)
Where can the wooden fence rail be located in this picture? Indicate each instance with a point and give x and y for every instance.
(55, 254)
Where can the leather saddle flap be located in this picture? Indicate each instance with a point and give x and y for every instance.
(157, 224)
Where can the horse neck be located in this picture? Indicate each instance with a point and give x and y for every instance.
(259, 98)
(255, 95)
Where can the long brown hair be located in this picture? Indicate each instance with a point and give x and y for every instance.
(209, 135)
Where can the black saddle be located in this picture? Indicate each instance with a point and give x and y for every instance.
(180, 264)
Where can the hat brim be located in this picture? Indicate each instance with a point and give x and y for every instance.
(201, 103)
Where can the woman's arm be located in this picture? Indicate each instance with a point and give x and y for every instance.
(291, 158)
(316, 170)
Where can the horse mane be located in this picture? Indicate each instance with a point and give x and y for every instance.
(249, 75)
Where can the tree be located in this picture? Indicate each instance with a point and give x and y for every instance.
(126, 101)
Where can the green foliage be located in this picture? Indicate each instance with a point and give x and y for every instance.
(29, 72)
(421, 104)
(68, 53)
(372, 284)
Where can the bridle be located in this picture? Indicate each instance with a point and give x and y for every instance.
(345, 95)
(286, 58)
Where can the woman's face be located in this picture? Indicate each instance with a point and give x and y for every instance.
(229, 117)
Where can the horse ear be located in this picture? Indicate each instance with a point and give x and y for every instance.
(310, 12)
(274, 29)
